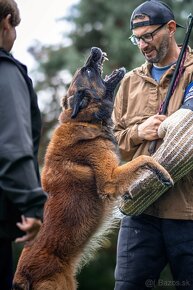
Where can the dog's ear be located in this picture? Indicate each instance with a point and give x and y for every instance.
(80, 101)
(77, 101)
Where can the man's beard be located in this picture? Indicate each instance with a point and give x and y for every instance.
(161, 52)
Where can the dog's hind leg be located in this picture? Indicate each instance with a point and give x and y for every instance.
(59, 281)
(41, 271)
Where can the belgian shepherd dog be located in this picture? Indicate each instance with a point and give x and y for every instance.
(83, 177)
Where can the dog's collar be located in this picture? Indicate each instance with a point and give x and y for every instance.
(85, 124)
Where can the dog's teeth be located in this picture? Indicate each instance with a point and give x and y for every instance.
(105, 56)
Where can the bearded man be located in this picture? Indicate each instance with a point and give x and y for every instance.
(164, 232)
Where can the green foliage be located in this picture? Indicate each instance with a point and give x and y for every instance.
(165, 279)
(104, 24)
(99, 273)
(17, 249)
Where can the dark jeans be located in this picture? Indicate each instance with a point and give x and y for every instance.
(145, 245)
(6, 270)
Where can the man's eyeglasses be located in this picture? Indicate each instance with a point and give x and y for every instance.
(147, 37)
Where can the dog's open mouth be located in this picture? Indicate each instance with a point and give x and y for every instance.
(89, 88)
(96, 59)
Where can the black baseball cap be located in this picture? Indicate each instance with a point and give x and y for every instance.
(157, 11)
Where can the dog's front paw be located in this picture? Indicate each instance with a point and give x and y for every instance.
(162, 174)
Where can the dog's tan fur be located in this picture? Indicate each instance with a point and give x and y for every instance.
(83, 177)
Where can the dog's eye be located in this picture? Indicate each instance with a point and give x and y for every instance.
(88, 71)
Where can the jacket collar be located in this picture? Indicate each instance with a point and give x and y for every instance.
(145, 68)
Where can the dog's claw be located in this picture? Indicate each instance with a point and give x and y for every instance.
(168, 182)
(127, 196)
(162, 177)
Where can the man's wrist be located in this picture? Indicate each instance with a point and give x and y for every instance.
(136, 138)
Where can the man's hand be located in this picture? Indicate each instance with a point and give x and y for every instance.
(148, 130)
(29, 225)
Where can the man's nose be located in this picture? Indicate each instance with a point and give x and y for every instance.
(142, 44)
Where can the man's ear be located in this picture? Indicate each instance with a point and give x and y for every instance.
(171, 26)
(6, 22)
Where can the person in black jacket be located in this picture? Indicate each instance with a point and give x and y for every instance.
(21, 196)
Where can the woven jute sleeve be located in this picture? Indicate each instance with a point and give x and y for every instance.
(175, 154)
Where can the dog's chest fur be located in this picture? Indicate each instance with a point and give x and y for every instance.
(69, 156)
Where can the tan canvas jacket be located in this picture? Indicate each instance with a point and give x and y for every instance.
(138, 98)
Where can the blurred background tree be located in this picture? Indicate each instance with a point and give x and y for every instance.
(93, 23)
